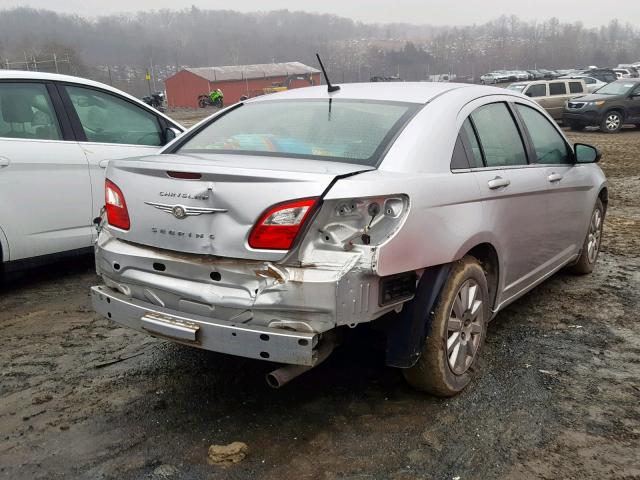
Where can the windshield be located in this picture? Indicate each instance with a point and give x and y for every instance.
(348, 131)
(517, 88)
(616, 88)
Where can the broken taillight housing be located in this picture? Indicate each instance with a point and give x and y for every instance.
(278, 227)
(117, 213)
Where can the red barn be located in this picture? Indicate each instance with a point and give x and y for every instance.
(235, 82)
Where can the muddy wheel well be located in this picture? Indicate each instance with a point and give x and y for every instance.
(604, 198)
(486, 254)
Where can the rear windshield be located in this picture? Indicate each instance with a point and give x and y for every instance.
(348, 131)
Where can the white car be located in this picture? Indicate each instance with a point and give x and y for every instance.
(57, 134)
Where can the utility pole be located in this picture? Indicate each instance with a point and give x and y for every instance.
(109, 71)
(55, 62)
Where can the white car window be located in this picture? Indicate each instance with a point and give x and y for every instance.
(26, 112)
(106, 118)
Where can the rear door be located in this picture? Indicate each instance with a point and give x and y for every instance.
(110, 127)
(514, 195)
(45, 193)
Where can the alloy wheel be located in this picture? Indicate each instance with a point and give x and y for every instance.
(594, 236)
(613, 122)
(466, 321)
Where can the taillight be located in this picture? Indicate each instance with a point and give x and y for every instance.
(117, 214)
(278, 227)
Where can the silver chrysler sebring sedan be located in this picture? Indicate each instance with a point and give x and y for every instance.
(272, 228)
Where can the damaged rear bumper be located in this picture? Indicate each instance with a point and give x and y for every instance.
(263, 343)
(232, 305)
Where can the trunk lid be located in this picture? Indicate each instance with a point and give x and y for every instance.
(216, 212)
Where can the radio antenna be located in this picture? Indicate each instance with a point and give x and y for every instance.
(331, 88)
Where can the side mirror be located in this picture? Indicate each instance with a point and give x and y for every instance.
(587, 153)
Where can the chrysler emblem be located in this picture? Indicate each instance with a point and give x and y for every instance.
(181, 211)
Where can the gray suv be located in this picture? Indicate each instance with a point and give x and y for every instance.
(609, 108)
(280, 223)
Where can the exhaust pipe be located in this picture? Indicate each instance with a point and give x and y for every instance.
(283, 375)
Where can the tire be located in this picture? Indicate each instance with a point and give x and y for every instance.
(576, 127)
(612, 122)
(591, 246)
(437, 371)
(202, 103)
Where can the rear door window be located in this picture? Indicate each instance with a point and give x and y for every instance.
(539, 90)
(106, 118)
(575, 87)
(557, 88)
(459, 159)
(549, 145)
(499, 137)
(475, 155)
(26, 112)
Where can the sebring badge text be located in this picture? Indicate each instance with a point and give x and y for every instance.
(179, 233)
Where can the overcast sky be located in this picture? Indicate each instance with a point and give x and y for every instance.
(435, 12)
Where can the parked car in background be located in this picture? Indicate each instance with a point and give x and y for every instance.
(552, 95)
(603, 74)
(535, 75)
(611, 107)
(519, 75)
(633, 69)
(548, 74)
(626, 72)
(57, 135)
(291, 218)
(494, 77)
(591, 83)
(565, 72)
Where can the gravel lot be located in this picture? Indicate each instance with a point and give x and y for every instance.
(558, 395)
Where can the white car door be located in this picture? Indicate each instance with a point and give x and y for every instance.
(110, 127)
(45, 193)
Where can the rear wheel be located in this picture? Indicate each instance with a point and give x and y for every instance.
(612, 122)
(591, 245)
(202, 103)
(457, 334)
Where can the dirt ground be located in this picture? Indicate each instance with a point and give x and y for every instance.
(558, 395)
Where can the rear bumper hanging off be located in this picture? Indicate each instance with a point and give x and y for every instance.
(263, 343)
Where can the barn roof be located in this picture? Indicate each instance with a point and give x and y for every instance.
(242, 72)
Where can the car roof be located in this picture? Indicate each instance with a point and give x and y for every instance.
(409, 92)
(56, 77)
